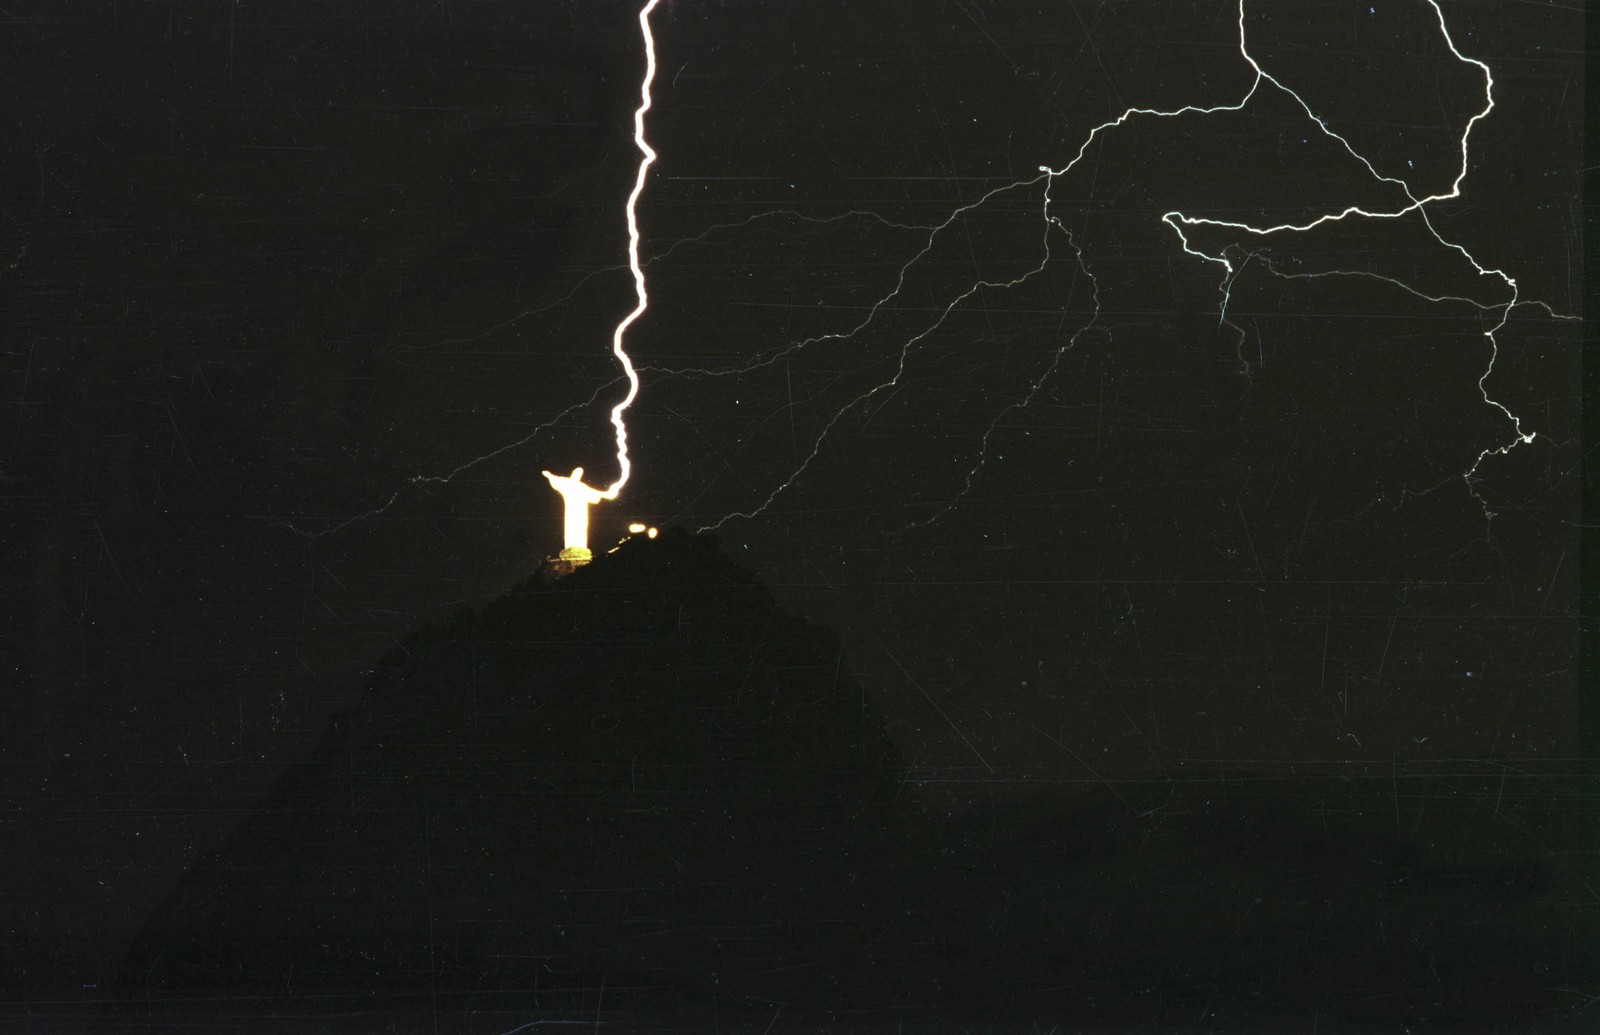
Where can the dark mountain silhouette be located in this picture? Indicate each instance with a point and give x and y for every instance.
(644, 797)
(645, 770)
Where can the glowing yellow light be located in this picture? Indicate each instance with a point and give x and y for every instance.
(636, 528)
(578, 498)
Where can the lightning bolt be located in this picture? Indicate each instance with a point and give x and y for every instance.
(629, 372)
(624, 467)
(1411, 203)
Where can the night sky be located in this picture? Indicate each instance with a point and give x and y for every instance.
(299, 298)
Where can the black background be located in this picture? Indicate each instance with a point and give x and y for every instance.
(299, 298)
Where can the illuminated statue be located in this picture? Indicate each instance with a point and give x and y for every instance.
(578, 498)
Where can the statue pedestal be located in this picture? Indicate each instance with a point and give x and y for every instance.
(569, 561)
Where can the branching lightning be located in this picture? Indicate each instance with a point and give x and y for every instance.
(1033, 388)
(1178, 222)
(905, 347)
(451, 475)
(1415, 204)
(1410, 203)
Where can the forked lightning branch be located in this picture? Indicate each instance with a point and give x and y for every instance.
(1409, 201)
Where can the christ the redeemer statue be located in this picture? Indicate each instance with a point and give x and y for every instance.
(578, 498)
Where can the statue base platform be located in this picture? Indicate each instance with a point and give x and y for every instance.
(562, 565)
